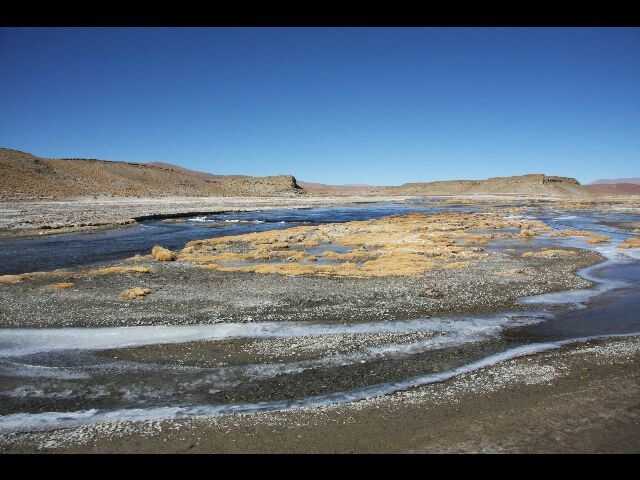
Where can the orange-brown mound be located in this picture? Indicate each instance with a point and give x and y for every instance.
(162, 254)
(630, 243)
(400, 245)
(62, 285)
(136, 292)
(593, 238)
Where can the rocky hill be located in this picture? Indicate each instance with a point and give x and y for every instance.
(533, 184)
(205, 175)
(27, 177)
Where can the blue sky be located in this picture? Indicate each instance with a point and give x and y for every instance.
(332, 105)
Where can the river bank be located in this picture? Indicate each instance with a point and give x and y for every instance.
(49, 217)
(577, 399)
(35, 218)
(293, 329)
(389, 269)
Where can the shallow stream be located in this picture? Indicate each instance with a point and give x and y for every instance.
(51, 378)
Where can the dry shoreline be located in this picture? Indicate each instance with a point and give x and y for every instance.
(64, 216)
(47, 217)
(579, 398)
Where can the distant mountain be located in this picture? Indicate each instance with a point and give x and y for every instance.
(614, 189)
(635, 181)
(349, 189)
(532, 184)
(28, 177)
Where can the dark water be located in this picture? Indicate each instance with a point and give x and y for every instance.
(613, 312)
(21, 255)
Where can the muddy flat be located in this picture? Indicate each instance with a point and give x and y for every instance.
(580, 399)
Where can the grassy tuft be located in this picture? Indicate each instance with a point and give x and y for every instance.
(62, 285)
(162, 254)
(630, 243)
(136, 292)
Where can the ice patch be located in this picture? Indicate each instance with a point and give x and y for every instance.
(11, 369)
(53, 420)
(614, 256)
(23, 341)
(24, 392)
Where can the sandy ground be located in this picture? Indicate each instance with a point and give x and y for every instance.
(182, 294)
(576, 399)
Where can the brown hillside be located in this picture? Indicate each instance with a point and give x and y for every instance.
(205, 175)
(27, 177)
(533, 184)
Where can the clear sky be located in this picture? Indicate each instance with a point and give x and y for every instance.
(331, 105)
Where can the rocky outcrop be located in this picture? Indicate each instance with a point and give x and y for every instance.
(258, 186)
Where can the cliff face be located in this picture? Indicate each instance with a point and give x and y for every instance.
(258, 186)
(27, 177)
(533, 184)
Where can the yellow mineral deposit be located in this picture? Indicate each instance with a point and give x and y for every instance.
(62, 285)
(118, 269)
(593, 238)
(401, 245)
(632, 242)
(8, 279)
(162, 254)
(136, 292)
